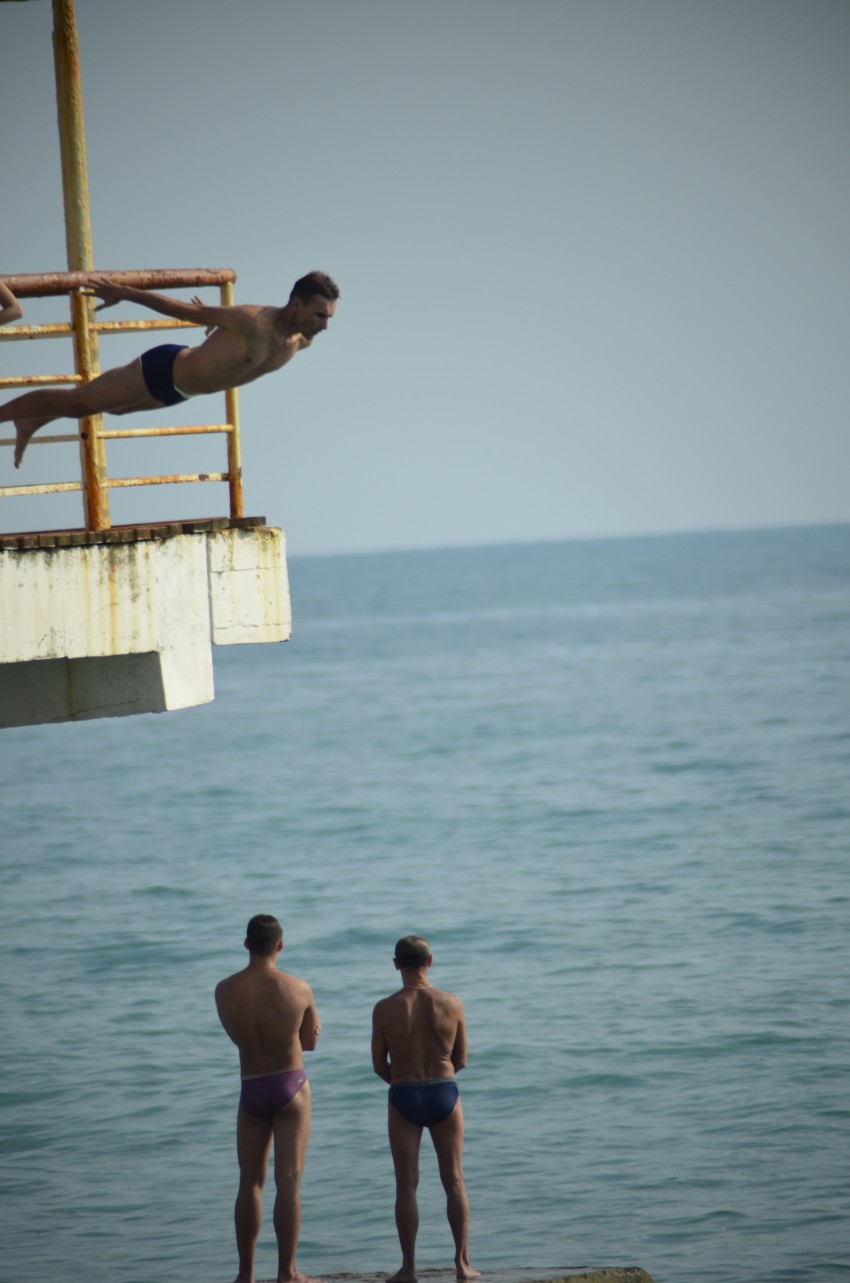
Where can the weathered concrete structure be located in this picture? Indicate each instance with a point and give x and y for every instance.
(109, 623)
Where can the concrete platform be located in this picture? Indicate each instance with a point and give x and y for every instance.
(123, 621)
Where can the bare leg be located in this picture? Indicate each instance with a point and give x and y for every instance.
(405, 1139)
(253, 1141)
(448, 1142)
(117, 391)
(291, 1135)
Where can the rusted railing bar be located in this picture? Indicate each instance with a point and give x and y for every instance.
(52, 487)
(37, 380)
(234, 445)
(178, 479)
(44, 284)
(74, 436)
(117, 327)
(61, 329)
(11, 332)
(116, 434)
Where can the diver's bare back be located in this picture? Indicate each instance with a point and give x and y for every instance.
(423, 1028)
(262, 1013)
(252, 346)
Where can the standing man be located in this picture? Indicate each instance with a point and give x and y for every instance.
(245, 341)
(272, 1019)
(418, 1045)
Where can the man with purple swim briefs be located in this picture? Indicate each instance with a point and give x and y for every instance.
(418, 1045)
(244, 341)
(272, 1019)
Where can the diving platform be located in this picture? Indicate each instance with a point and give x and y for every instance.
(122, 621)
(109, 620)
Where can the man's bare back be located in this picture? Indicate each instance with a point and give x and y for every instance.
(420, 1034)
(270, 1016)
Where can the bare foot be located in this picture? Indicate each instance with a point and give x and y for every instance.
(24, 429)
(464, 1270)
(297, 1277)
(404, 1275)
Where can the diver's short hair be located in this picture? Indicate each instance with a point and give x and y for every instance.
(412, 953)
(307, 287)
(263, 933)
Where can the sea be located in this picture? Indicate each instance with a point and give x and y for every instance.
(609, 780)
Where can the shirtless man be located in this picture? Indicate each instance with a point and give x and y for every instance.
(272, 1019)
(418, 1045)
(245, 342)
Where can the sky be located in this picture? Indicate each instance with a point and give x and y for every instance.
(592, 254)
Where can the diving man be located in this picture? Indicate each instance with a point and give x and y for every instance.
(245, 341)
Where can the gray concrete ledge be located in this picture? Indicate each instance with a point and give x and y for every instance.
(31, 539)
(124, 622)
(561, 1274)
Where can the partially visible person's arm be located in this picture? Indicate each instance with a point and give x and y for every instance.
(459, 1048)
(380, 1051)
(200, 302)
(311, 1027)
(221, 1005)
(11, 309)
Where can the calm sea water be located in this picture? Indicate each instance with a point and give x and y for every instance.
(608, 780)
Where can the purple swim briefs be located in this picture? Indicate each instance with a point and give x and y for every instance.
(263, 1097)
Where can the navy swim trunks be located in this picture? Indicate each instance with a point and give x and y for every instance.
(263, 1097)
(425, 1104)
(158, 373)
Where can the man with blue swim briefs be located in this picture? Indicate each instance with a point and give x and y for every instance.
(418, 1045)
(243, 342)
(272, 1019)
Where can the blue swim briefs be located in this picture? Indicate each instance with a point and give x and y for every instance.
(425, 1104)
(158, 372)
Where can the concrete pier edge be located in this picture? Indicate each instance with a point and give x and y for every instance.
(122, 622)
(560, 1274)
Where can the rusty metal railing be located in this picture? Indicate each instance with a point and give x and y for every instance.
(84, 328)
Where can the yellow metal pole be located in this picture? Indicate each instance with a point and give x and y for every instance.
(234, 445)
(72, 146)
